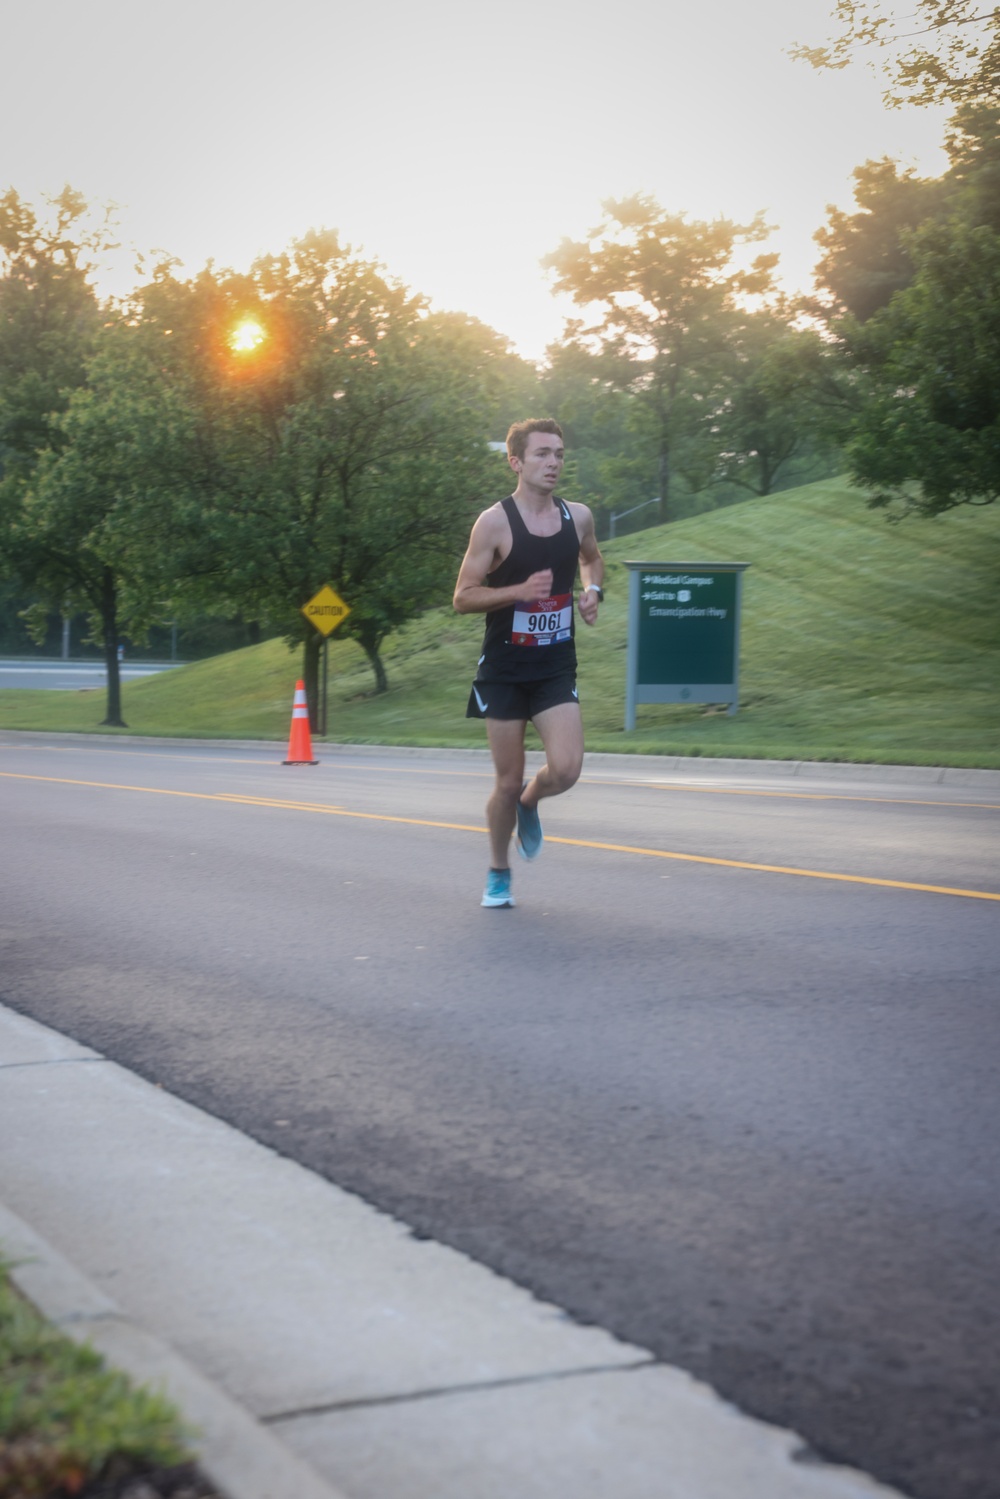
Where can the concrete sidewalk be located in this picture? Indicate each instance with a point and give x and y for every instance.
(319, 1348)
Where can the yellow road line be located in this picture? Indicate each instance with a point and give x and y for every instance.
(416, 822)
(809, 874)
(800, 796)
(249, 801)
(462, 827)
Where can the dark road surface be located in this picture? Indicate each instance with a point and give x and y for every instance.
(69, 676)
(747, 1119)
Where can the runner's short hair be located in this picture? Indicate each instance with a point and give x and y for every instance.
(517, 437)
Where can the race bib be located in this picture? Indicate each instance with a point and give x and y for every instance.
(543, 622)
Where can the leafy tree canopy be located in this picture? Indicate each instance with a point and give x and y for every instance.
(771, 410)
(50, 325)
(937, 52)
(48, 318)
(237, 440)
(610, 465)
(662, 291)
(927, 434)
(866, 254)
(344, 443)
(865, 257)
(911, 308)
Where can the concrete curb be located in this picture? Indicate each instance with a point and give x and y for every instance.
(239, 1455)
(852, 772)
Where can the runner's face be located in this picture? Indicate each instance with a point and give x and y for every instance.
(542, 462)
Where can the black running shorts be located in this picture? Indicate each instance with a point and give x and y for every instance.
(513, 700)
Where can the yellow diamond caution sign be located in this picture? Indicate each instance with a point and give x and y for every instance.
(325, 610)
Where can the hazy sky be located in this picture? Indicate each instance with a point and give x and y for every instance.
(456, 143)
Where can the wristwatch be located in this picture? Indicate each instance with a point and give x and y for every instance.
(595, 588)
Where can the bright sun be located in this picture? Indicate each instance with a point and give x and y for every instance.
(246, 336)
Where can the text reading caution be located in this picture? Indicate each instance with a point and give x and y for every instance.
(326, 610)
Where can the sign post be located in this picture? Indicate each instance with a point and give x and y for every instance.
(683, 633)
(325, 610)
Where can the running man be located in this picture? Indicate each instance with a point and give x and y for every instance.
(519, 571)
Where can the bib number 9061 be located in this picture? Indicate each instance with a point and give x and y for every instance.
(544, 621)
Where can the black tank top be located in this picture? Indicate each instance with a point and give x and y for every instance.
(525, 641)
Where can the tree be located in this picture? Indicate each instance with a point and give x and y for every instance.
(973, 177)
(937, 52)
(773, 411)
(343, 443)
(665, 290)
(927, 434)
(505, 387)
(609, 465)
(865, 255)
(89, 529)
(912, 327)
(50, 322)
(915, 277)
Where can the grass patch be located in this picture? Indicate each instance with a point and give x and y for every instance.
(861, 641)
(67, 1421)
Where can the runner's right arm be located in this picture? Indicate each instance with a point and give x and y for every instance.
(485, 552)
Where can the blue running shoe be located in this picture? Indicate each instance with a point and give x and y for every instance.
(529, 831)
(497, 892)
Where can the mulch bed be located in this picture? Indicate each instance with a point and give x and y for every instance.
(184, 1482)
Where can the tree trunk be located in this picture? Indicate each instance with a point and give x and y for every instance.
(666, 405)
(663, 473)
(370, 644)
(109, 623)
(314, 645)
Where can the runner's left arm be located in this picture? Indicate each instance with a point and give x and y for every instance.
(591, 564)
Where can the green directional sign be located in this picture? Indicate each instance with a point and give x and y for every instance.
(683, 644)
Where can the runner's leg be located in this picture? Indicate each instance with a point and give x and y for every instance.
(506, 739)
(561, 732)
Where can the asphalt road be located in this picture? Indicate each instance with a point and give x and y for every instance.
(69, 676)
(746, 1117)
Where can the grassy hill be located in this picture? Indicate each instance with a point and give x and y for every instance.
(861, 641)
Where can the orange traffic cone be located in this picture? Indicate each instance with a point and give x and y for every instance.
(299, 743)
